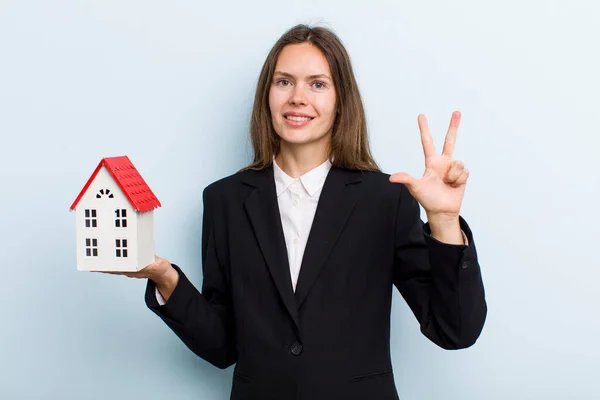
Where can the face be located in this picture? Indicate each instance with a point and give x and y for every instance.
(302, 97)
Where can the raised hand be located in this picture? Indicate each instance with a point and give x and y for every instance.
(441, 189)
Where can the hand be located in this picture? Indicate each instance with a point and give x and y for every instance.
(441, 189)
(156, 271)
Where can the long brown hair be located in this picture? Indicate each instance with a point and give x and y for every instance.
(349, 147)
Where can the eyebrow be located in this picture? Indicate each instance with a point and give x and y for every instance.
(285, 74)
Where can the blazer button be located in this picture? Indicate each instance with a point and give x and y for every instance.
(296, 349)
(465, 264)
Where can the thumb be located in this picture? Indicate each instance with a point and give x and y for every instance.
(403, 177)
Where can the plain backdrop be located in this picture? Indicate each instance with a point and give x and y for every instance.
(171, 84)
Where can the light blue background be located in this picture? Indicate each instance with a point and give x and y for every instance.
(171, 85)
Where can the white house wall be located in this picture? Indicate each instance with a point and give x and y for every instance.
(145, 238)
(106, 232)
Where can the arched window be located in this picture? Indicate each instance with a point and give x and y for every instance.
(104, 193)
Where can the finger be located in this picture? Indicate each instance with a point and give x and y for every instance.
(451, 135)
(456, 168)
(462, 179)
(426, 139)
(403, 177)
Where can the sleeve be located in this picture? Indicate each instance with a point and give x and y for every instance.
(440, 282)
(203, 321)
(161, 301)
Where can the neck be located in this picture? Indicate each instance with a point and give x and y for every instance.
(298, 160)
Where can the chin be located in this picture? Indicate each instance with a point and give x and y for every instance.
(299, 138)
(296, 141)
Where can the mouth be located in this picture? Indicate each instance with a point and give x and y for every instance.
(296, 118)
(297, 121)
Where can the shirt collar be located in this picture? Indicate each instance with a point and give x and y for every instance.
(312, 181)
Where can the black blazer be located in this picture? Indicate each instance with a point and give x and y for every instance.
(331, 338)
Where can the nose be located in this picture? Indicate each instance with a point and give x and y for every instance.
(297, 96)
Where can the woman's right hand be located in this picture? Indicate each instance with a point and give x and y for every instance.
(161, 272)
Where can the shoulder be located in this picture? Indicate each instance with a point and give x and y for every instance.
(375, 177)
(379, 182)
(232, 184)
(379, 192)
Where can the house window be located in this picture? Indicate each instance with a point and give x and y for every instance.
(91, 247)
(91, 220)
(121, 218)
(121, 247)
(104, 193)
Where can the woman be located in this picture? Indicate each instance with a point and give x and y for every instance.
(302, 248)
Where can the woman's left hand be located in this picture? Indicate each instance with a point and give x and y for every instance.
(441, 189)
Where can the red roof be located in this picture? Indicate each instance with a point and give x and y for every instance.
(129, 180)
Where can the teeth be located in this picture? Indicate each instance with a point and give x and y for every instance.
(291, 118)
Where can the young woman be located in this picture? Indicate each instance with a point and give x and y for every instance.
(301, 249)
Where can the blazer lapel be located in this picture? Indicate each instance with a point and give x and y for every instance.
(336, 202)
(263, 210)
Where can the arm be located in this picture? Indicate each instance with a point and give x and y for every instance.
(447, 230)
(203, 321)
(440, 282)
(165, 284)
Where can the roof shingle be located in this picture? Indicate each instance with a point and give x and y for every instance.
(130, 181)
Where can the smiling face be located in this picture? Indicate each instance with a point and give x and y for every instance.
(302, 98)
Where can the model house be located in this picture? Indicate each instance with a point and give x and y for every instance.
(114, 213)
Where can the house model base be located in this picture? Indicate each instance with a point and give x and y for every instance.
(114, 216)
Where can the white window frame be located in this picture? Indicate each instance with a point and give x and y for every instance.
(91, 247)
(121, 218)
(90, 217)
(121, 248)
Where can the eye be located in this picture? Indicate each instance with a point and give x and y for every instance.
(283, 82)
(319, 85)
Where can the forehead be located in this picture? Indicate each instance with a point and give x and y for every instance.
(302, 59)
